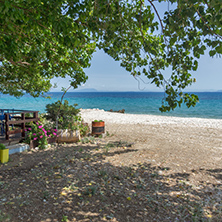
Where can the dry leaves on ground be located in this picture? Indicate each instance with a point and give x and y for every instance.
(79, 182)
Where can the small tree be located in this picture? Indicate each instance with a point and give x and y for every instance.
(63, 112)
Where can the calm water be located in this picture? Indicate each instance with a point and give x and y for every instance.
(210, 105)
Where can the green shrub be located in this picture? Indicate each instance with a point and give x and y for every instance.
(83, 128)
(39, 133)
(64, 111)
(98, 121)
(2, 146)
(67, 117)
(91, 190)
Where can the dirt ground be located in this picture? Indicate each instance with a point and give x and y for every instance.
(135, 173)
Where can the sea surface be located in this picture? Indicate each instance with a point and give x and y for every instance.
(209, 106)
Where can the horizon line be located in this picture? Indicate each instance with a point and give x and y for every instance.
(85, 91)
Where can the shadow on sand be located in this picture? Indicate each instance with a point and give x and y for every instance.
(76, 183)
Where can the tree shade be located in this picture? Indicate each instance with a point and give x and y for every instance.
(41, 39)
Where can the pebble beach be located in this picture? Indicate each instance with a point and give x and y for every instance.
(180, 143)
(123, 118)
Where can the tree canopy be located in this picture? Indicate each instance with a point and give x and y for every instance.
(42, 39)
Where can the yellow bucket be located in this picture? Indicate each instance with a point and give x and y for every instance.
(4, 155)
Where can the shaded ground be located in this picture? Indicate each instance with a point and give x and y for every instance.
(142, 173)
(14, 139)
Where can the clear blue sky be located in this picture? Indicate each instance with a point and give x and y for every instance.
(105, 74)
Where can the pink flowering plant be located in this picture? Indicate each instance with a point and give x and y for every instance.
(38, 132)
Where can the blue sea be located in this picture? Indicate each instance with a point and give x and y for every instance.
(209, 106)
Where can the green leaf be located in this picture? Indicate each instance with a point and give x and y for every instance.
(212, 53)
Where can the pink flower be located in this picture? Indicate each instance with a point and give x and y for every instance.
(55, 130)
(40, 132)
(34, 134)
(41, 136)
(37, 123)
(54, 134)
(49, 131)
(49, 135)
(29, 129)
(35, 138)
(25, 129)
(40, 127)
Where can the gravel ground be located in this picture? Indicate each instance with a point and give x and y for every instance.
(145, 168)
(182, 144)
(119, 118)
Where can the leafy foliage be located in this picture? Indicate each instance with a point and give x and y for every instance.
(2, 146)
(67, 116)
(40, 40)
(64, 110)
(39, 132)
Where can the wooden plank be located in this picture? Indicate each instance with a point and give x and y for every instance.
(19, 117)
(15, 113)
(21, 121)
(6, 127)
(23, 125)
(14, 131)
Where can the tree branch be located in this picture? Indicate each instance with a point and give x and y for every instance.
(157, 14)
(161, 23)
(208, 26)
(207, 4)
(19, 62)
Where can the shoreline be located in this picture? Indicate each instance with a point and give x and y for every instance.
(90, 115)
